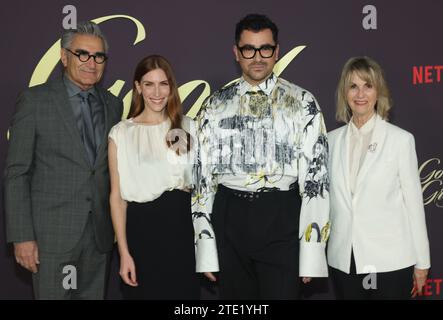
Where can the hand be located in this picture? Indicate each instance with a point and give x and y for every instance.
(127, 270)
(26, 255)
(306, 280)
(210, 276)
(420, 276)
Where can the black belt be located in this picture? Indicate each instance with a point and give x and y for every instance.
(253, 196)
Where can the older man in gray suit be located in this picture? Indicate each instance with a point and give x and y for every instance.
(56, 178)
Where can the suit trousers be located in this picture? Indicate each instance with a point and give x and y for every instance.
(257, 242)
(393, 285)
(78, 274)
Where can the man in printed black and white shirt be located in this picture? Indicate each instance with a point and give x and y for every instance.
(261, 203)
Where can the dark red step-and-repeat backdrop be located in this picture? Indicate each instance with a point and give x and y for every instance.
(316, 38)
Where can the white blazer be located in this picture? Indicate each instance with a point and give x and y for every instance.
(384, 222)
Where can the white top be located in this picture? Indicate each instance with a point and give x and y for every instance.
(146, 166)
(359, 140)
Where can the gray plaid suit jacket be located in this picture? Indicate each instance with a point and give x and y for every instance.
(50, 187)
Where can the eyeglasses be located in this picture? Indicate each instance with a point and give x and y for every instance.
(249, 52)
(84, 56)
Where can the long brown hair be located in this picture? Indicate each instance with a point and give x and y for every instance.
(173, 105)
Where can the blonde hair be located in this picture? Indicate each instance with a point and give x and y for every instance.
(371, 72)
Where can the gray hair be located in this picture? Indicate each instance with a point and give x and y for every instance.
(84, 28)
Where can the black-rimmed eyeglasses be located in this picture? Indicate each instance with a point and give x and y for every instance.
(249, 52)
(84, 56)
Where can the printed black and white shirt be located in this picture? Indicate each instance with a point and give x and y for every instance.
(263, 138)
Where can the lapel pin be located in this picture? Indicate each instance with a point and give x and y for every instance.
(372, 147)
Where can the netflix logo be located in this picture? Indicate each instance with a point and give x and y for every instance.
(432, 288)
(426, 74)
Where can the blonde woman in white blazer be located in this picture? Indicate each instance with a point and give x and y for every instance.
(377, 216)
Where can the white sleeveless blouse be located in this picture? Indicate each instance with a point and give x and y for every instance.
(146, 166)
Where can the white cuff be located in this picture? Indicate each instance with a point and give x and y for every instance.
(312, 261)
(206, 256)
(423, 266)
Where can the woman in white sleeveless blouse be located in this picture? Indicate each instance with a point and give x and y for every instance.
(150, 166)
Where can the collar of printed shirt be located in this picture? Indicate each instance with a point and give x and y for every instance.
(266, 86)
